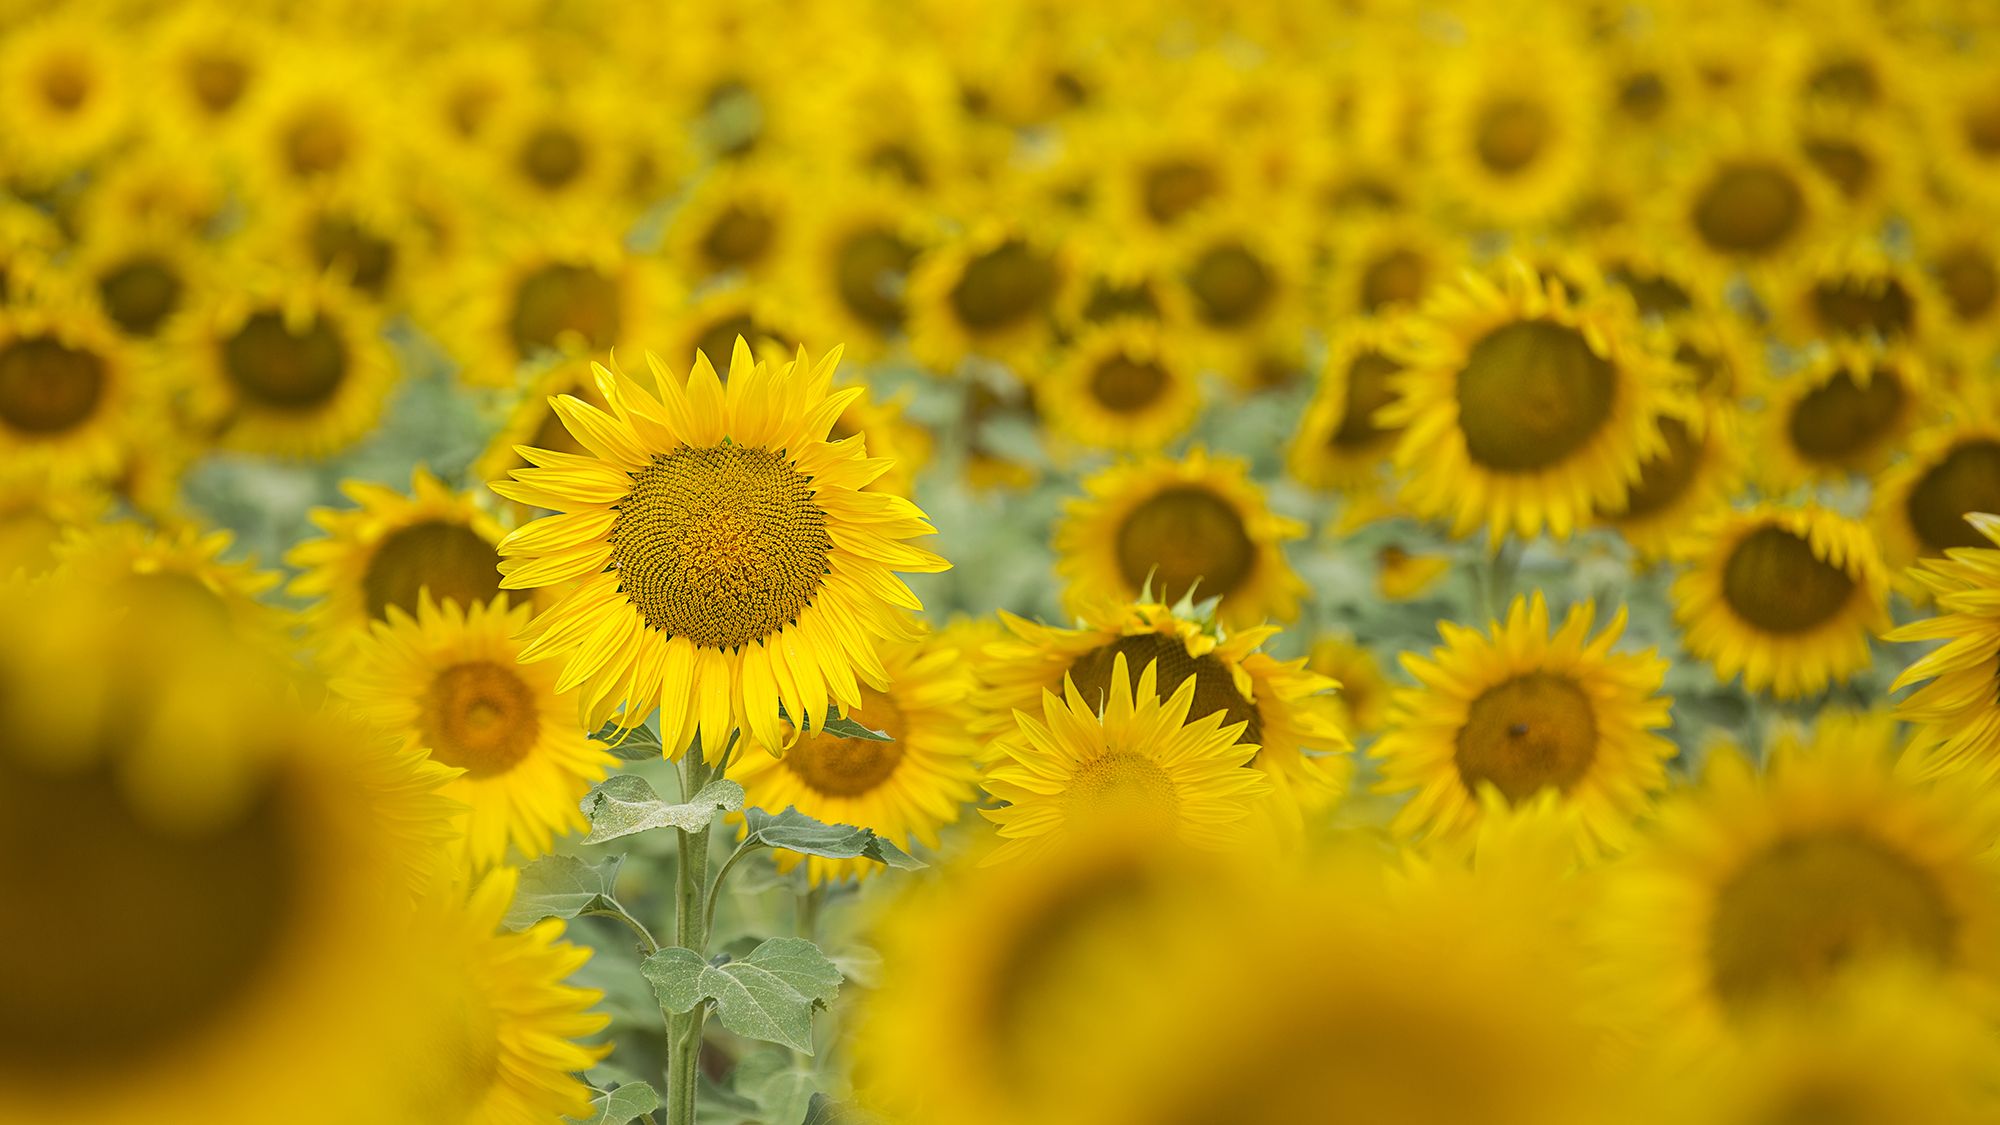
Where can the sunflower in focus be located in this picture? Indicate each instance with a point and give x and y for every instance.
(1524, 711)
(728, 562)
(1196, 526)
(904, 789)
(1122, 386)
(68, 385)
(445, 681)
(1136, 756)
(1521, 410)
(1339, 445)
(1955, 712)
(390, 550)
(1788, 597)
(1764, 889)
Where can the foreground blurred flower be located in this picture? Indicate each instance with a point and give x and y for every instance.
(1523, 711)
(728, 562)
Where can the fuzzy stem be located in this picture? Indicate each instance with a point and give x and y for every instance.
(690, 932)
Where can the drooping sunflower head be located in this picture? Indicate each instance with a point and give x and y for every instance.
(726, 561)
(1520, 410)
(1522, 711)
(1194, 526)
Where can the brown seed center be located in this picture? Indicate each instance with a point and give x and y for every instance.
(1774, 581)
(1214, 687)
(1749, 207)
(480, 717)
(1003, 287)
(1842, 420)
(274, 368)
(1231, 285)
(1532, 393)
(1966, 480)
(852, 767)
(450, 559)
(1182, 535)
(560, 301)
(1124, 385)
(1511, 133)
(48, 387)
(1527, 734)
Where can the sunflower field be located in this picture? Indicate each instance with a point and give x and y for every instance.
(909, 562)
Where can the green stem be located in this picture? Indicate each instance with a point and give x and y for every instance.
(715, 888)
(652, 946)
(690, 932)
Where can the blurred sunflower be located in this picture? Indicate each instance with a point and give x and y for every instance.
(1960, 252)
(1918, 505)
(904, 789)
(1387, 265)
(1761, 889)
(66, 84)
(1851, 291)
(181, 577)
(1339, 445)
(763, 315)
(1788, 597)
(141, 274)
(1864, 159)
(1194, 526)
(34, 517)
(325, 121)
(1849, 410)
(1363, 700)
(445, 682)
(854, 259)
(367, 242)
(1137, 756)
(1955, 712)
(563, 149)
(1699, 471)
(1525, 711)
(1744, 197)
(730, 563)
(389, 551)
(1243, 273)
(989, 293)
(890, 436)
(1124, 387)
(211, 62)
(1287, 712)
(1521, 410)
(742, 219)
(1963, 123)
(68, 386)
(1514, 124)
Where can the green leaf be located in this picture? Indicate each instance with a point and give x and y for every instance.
(826, 1111)
(769, 995)
(639, 744)
(795, 831)
(781, 1090)
(630, 1100)
(842, 727)
(624, 804)
(562, 886)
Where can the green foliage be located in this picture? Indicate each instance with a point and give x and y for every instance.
(639, 744)
(842, 727)
(617, 1107)
(797, 832)
(769, 995)
(826, 1111)
(563, 886)
(781, 1090)
(625, 804)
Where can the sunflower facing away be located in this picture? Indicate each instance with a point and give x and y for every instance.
(1786, 596)
(1136, 755)
(445, 681)
(1956, 712)
(1523, 711)
(904, 789)
(727, 561)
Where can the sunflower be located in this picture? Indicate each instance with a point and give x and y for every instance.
(292, 366)
(1849, 410)
(445, 682)
(1514, 127)
(326, 121)
(1382, 266)
(180, 575)
(1402, 576)
(1786, 596)
(68, 387)
(1123, 387)
(1136, 755)
(1362, 703)
(1759, 890)
(853, 264)
(140, 273)
(209, 64)
(1852, 291)
(1243, 276)
(1197, 525)
(1664, 282)
(505, 1027)
(565, 149)
(1744, 197)
(1521, 410)
(890, 436)
(1918, 505)
(736, 306)
(34, 518)
(1160, 165)
(1963, 116)
(1865, 160)
(64, 83)
(368, 242)
(904, 789)
(387, 552)
(1699, 471)
(1288, 713)
(1721, 361)
(28, 238)
(534, 422)
(277, 841)
(1523, 711)
(740, 219)
(1339, 446)
(467, 86)
(730, 563)
(988, 293)
(1961, 255)
(1955, 713)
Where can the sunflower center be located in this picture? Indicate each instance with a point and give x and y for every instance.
(1842, 419)
(449, 559)
(552, 155)
(1967, 480)
(1774, 581)
(1395, 278)
(279, 369)
(1749, 207)
(1369, 389)
(66, 84)
(1855, 307)
(1231, 285)
(140, 292)
(852, 767)
(869, 266)
(1643, 96)
(560, 300)
(1511, 133)
(1981, 121)
(230, 888)
(217, 79)
(722, 545)
(1665, 478)
(480, 717)
(1122, 784)
(1003, 287)
(1653, 294)
(1847, 164)
(1124, 385)
(739, 238)
(1850, 80)
(1172, 188)
(1214, 687)
(1970, 279)
(1527, 734)
(47, 387)
(367, 258)
(317, 143)
(1532, 393)
(1807, 905)
(1183, 535)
